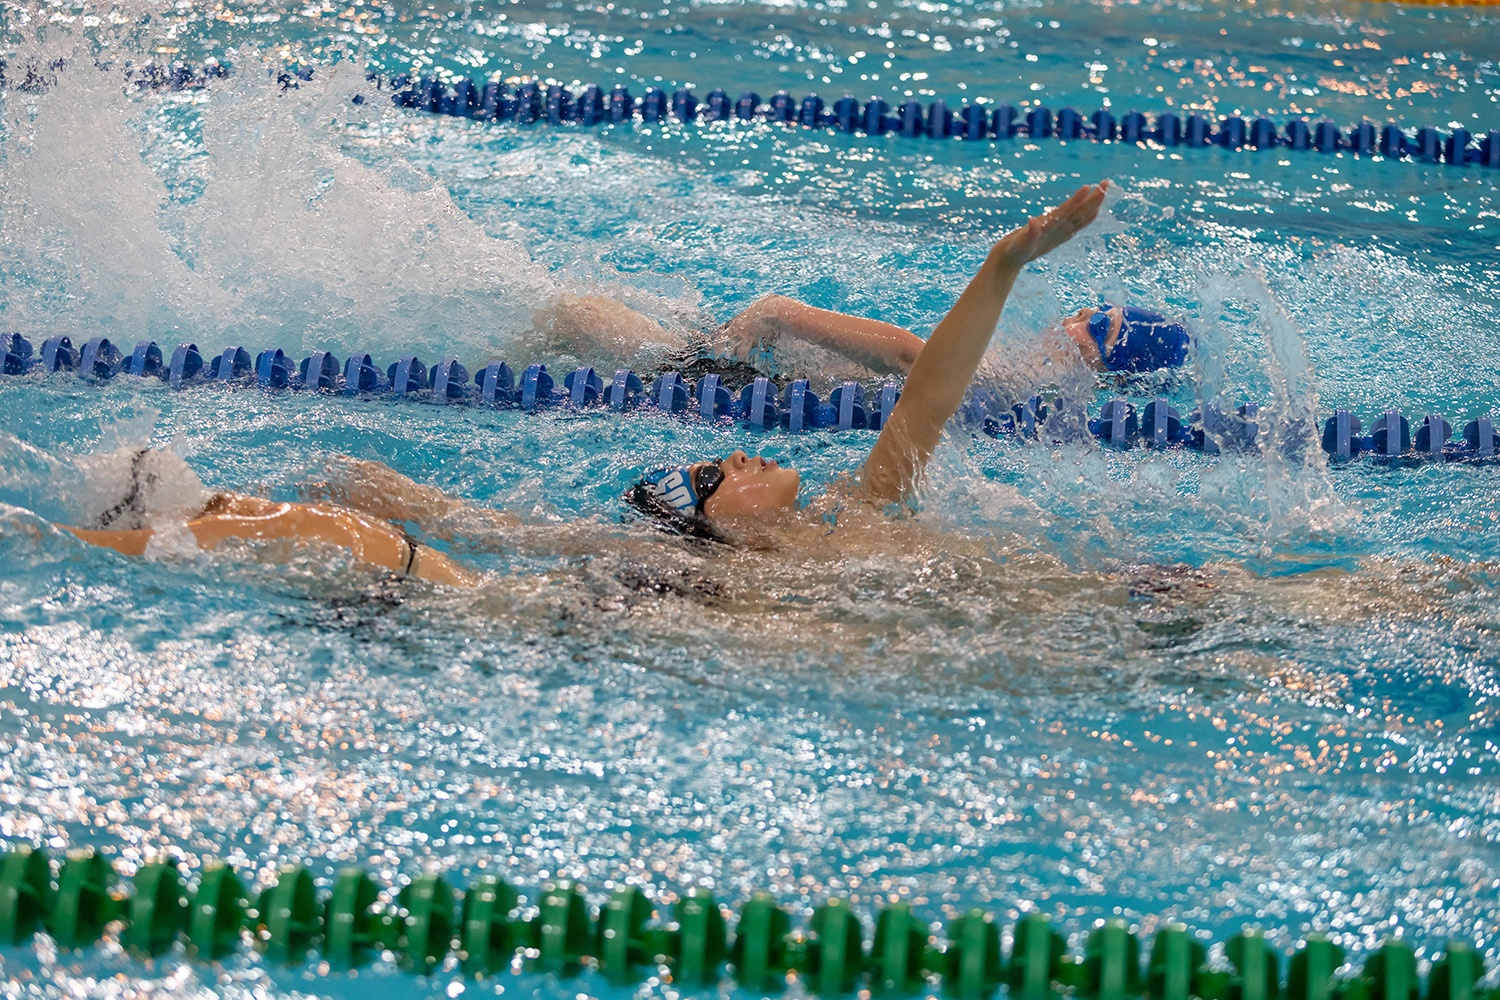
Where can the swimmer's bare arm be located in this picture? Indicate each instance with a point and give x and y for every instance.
(255, 519)
(943, 370)
(882, 347)
(131, 543)
(208, 532)
(242, 517)
(378, 489)
(382, 491)
(584, 322)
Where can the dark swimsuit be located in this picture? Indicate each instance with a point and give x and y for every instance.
(697, 359)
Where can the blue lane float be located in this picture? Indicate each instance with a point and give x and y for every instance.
(973, 121)
(535, 103)
(762, 404)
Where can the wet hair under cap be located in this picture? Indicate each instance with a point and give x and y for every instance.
(644, 499)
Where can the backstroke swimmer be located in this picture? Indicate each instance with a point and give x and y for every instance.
(734, 497)
(1122, 339)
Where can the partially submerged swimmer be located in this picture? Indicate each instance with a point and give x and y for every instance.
(152, 489)
(708, 497)
(1111, 338)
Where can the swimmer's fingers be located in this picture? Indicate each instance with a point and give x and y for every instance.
(1055, 227)
(1067, 220)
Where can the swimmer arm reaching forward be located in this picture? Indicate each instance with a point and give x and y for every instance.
(234, 516)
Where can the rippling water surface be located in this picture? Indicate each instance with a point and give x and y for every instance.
(1251, 689)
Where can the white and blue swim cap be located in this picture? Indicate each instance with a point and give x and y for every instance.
(673, 498)
(686, 488)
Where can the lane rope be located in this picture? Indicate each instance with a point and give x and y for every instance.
(490, 930)
(537, 103)
(762, 404)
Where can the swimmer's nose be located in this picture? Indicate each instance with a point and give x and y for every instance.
(738, 459)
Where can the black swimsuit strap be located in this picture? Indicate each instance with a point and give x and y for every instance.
(411, 551)
(132, 502)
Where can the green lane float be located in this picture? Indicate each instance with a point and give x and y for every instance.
(428, 927)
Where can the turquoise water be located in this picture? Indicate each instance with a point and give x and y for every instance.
(1256, 689)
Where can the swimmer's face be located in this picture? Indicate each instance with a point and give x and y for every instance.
(1076, 327)
(752, 487)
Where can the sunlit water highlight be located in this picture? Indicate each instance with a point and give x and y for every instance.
(1216, 691)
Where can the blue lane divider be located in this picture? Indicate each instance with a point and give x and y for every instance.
(187, 363)
(58, 354)
(146, 360)
(448, 381)
(273, 369)
(1216, 432)
(1393, 437)
(758, 401)
(234, 363)
(532, 102)
(625, 390)
(973, 121)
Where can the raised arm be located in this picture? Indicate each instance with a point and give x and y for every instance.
(946, 365)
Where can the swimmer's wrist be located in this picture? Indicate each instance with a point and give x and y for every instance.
(1004, 259)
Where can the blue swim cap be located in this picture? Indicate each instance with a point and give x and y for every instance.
(1148, 341)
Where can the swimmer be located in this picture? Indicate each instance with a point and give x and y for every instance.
(1124, 339)
(738, 494)
(140, 494)
(737, 498)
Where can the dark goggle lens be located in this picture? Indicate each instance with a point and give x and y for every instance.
(706, 479)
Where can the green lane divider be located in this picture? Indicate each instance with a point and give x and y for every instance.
(490, 934)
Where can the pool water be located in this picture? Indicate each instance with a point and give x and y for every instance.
(1256, 689)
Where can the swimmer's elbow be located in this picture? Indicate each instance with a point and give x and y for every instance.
(906, 353)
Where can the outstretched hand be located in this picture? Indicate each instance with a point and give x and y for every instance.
(1052, 229)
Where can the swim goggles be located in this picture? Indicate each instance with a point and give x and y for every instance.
(687, 488)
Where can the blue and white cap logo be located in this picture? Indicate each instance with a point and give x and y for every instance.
(675, 488)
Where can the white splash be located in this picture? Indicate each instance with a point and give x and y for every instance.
(1291, 473)
(273, 233)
